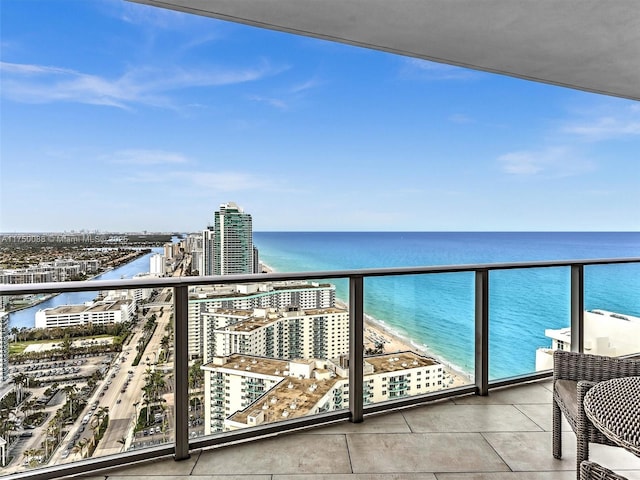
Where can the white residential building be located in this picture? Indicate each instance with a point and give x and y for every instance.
(100, 312)
(242, 391)
(605, 333)
(279, 295)
(285, 334)
(157, 265)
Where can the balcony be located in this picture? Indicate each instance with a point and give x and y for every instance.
(506, 434)
(487, 424)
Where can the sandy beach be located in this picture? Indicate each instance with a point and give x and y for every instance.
(376, 334)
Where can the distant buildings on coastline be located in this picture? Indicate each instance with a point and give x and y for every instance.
(228, 245)
(56, 271)
(224, 248)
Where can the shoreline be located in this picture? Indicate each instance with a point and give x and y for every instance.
(375, 331)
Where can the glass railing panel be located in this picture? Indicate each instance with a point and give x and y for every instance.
(529, 312)
(149, 387)
(612, 309)
(419, 334)
(77, 368)
(267, 352)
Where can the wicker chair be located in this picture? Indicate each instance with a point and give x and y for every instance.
(593, 471)
(573, 375)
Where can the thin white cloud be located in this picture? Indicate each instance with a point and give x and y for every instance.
(274, 102)
(142, 86)
(551, 162)
(426, 70)
(607, 122)
(308, 85)
(147, 157)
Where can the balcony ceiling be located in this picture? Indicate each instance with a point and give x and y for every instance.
(591, 45)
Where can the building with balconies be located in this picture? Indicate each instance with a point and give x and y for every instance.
(284, 334)
(280, 295)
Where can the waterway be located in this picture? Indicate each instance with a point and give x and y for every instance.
(26, 317)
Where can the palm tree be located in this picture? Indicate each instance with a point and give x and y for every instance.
(122, 441)
(165, 343)
(19, 381)
(70, 391)
(80, 446)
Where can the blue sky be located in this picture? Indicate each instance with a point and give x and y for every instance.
(122, 117)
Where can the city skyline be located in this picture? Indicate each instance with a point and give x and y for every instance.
(123, 117)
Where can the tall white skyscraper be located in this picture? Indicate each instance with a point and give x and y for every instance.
(228, 246)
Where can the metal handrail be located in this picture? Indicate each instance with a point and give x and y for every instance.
(167, 282)
(356, 409)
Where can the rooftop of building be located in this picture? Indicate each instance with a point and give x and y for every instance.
(102, 306)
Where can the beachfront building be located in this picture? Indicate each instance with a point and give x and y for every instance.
(278, 295)
(605, 333)
(243, 391)
(285, 334)
(97, 313)
(228, 245)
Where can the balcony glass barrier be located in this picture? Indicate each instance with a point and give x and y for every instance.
(523, 305)
(610, 329)
(265, 352)
(181, 368)
(89, 375)
(419, 334)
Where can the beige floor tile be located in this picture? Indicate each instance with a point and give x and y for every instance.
(296, 453)
(560, 475)
(469, 418)
(360, 476)
(161, 476)
(525, 394)
(531, 451)
(166, 465)
(418, 452)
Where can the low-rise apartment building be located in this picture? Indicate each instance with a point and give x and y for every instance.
(97, 313)
(244, 390)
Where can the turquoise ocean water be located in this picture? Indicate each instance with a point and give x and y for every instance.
(436, 312)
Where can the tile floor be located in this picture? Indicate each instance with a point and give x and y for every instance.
(504, 436)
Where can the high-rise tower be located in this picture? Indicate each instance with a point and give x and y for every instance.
(228, 247)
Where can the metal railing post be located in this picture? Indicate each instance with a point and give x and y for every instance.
(181, 371)
(356, 348)
(577, 308)
(482, 332)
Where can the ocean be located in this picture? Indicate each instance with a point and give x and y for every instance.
(436, 312)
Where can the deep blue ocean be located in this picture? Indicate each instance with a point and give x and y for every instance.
(437, 311)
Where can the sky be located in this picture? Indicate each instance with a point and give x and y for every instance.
(116, 116)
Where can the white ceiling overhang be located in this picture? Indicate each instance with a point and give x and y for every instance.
(591, 45)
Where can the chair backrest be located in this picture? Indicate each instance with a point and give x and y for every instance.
(596, 368)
